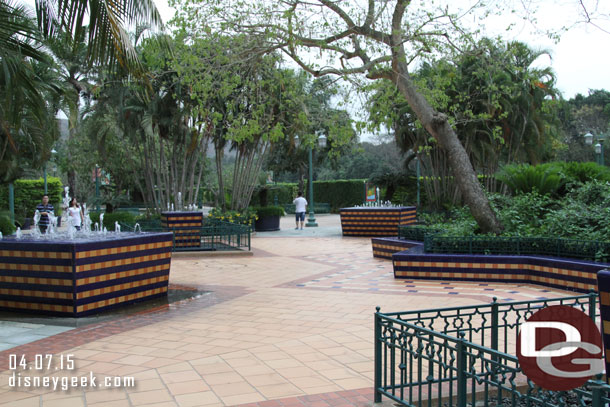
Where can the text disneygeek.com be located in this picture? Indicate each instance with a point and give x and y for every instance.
(20, 365)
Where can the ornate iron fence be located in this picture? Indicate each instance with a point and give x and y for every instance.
(214, 235)
(464, 356)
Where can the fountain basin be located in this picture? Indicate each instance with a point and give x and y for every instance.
(83, 276)
(375, 221)
(186, 227)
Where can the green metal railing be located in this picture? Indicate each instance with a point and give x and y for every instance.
(516, 245)
(417, 233)
(465, 356)
(214, 235)
(317, 208)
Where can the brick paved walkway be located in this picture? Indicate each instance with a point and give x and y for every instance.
(289, 326)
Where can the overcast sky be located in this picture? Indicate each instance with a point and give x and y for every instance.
(581, 60)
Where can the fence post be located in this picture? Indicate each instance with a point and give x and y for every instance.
(592, 305)
(376, 392)
(596, 392)
(494, 324)
(461, 370)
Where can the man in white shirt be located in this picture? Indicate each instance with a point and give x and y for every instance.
(300, 207)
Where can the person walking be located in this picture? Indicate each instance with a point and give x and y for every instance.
(75, 214)
(45, 209)
(300, 207)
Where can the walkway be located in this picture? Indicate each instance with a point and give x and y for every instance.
(289, 326)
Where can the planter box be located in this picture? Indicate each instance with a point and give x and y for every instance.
(186, 227)
(84, 276)
(267, 223)
(375, 222)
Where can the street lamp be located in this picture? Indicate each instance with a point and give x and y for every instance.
(599, 147)
(321, 142)
(44, 172)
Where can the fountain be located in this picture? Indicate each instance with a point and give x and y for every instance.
(186, 224)
(375, 219)
(77, 273)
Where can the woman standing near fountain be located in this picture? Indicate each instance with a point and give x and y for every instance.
(75, 214)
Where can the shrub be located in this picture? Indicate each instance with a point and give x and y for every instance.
(6, 226)
(264, 211)
(525, 178)
(339, 193)
(265, 195)
(111, 218)
(28, 194)
(245, 217)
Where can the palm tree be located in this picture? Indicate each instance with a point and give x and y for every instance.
(109, 42)
(28, 93)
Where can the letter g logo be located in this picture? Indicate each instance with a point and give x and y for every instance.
(560, 348)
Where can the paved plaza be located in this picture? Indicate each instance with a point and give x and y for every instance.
(291, 325)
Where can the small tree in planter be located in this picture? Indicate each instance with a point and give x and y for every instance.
(268, 218)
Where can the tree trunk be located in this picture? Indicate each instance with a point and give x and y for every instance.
(438, 126)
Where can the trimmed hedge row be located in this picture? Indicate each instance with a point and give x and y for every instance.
(285, 192)
(339, 193)
(28, 194)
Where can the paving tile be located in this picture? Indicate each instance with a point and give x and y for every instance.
(294, 329)
(205, 398)
(149, 397)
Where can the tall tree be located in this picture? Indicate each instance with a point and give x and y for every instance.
(378, 41)
(499, 106)
(109, 42)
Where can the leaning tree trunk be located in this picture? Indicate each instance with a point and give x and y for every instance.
(438, 126)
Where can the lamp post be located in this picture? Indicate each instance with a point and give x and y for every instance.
(44, 173)
(321, 142)
(599, 146)
(97, 188)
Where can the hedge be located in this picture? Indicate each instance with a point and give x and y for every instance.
(6, 226)
(264, 211)
(265, 195)
(338, 193)
(28, 194)
(110, 218)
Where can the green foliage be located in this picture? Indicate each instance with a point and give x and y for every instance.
(6, 226)
(339, 193)
(579, 171)
(110, 218)
(245, 217)
(525, 178)
(265, 195)
(583, 213)
(28, 194)
(264, 211)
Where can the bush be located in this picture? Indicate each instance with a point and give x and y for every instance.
(111, 218)
(264, 211)
(28, 194)
(245, 217)
(339, 193)
(525, 178)
(6, 226)
(265, 195)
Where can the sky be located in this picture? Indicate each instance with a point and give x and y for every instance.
(581, 60)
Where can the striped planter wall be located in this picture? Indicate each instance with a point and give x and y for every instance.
(374, 222)
(186, 227)
(385, 247)
(75, 279)
(566, 274)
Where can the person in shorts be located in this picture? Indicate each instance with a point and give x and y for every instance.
(300, 207)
